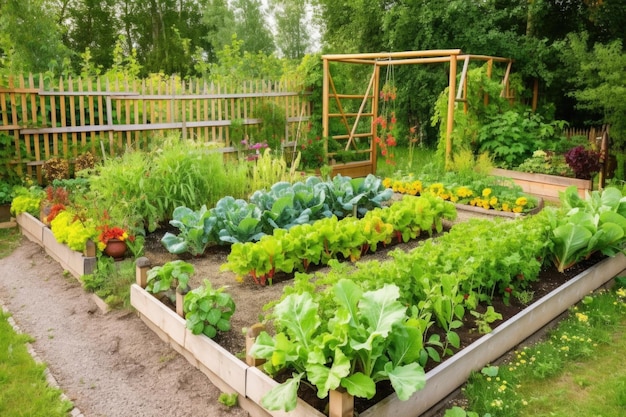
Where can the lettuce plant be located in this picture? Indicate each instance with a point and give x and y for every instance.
(330, 238)
(585, 226)
(364, 340)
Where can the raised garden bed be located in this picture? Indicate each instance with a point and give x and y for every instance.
(74, 262)
(543, 185)
(356, 169)
(231, 374)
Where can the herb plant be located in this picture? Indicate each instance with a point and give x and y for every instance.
(172, 274)
(208, 310)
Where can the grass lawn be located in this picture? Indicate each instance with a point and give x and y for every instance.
(20, 376)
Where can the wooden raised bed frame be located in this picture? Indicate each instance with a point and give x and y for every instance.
(74, 262)
(231, 374)
(544, 185)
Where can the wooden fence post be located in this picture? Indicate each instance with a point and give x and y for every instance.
(142, 265)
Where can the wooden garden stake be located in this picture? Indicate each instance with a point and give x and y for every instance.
(90, 249)
(180, 298)
(141, 271)
(251, 336)
(341, 404)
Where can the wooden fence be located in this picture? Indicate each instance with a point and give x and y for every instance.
(39, 122)
(593, 134)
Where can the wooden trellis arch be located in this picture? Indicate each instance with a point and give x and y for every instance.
(370, 99)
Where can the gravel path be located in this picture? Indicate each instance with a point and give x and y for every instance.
(109, 365)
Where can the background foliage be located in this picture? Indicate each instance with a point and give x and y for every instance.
(574, 48)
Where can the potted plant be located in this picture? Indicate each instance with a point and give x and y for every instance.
(112, 241)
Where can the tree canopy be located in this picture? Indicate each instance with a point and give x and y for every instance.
(241, 38)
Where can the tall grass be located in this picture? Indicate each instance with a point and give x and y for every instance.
(141, 190)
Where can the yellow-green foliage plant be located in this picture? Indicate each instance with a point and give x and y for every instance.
(270, 169)
(69, 229)
(27, 200)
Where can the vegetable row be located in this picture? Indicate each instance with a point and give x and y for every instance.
(327, 239)
(352, 328)
(284, 206)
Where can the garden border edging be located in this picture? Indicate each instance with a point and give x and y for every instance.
(74, 262)
(441, 380)
(545, 186)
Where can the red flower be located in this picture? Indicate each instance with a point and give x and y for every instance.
(107, 233)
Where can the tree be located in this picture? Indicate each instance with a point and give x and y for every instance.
(29, 37)
(94, 26)
(252, 27)
(599, 73)
(165, 33)
(292, 37)
(219, 21)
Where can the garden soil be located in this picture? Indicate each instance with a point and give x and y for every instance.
(111, 364)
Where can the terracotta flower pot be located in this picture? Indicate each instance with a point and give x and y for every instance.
(116, 249)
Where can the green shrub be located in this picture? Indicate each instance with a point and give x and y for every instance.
(141, 190)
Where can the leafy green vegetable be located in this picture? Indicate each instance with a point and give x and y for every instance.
(585, 226)
(196, 231)
(208, 310)
(365, 339)
(237, 220)
(174, 273)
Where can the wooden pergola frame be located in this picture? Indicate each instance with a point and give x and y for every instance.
(384, 59)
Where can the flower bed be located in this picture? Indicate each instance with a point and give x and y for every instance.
(229, 373)
(74, 262)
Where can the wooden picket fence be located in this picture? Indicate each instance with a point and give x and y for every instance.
(593, 134)
(40, 119)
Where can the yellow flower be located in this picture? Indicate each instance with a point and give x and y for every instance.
(521, 201)
(505, 207)
(436, 188)
(464, 192)
(486, 192)
(493, 201)
(387, 182)
(621, 292)
(583, 318)
(517, 209)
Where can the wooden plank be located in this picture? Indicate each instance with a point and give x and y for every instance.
(393, 55)
(86, 93)
(63, 117)
(27, 139)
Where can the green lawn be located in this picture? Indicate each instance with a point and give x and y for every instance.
(20, 376)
